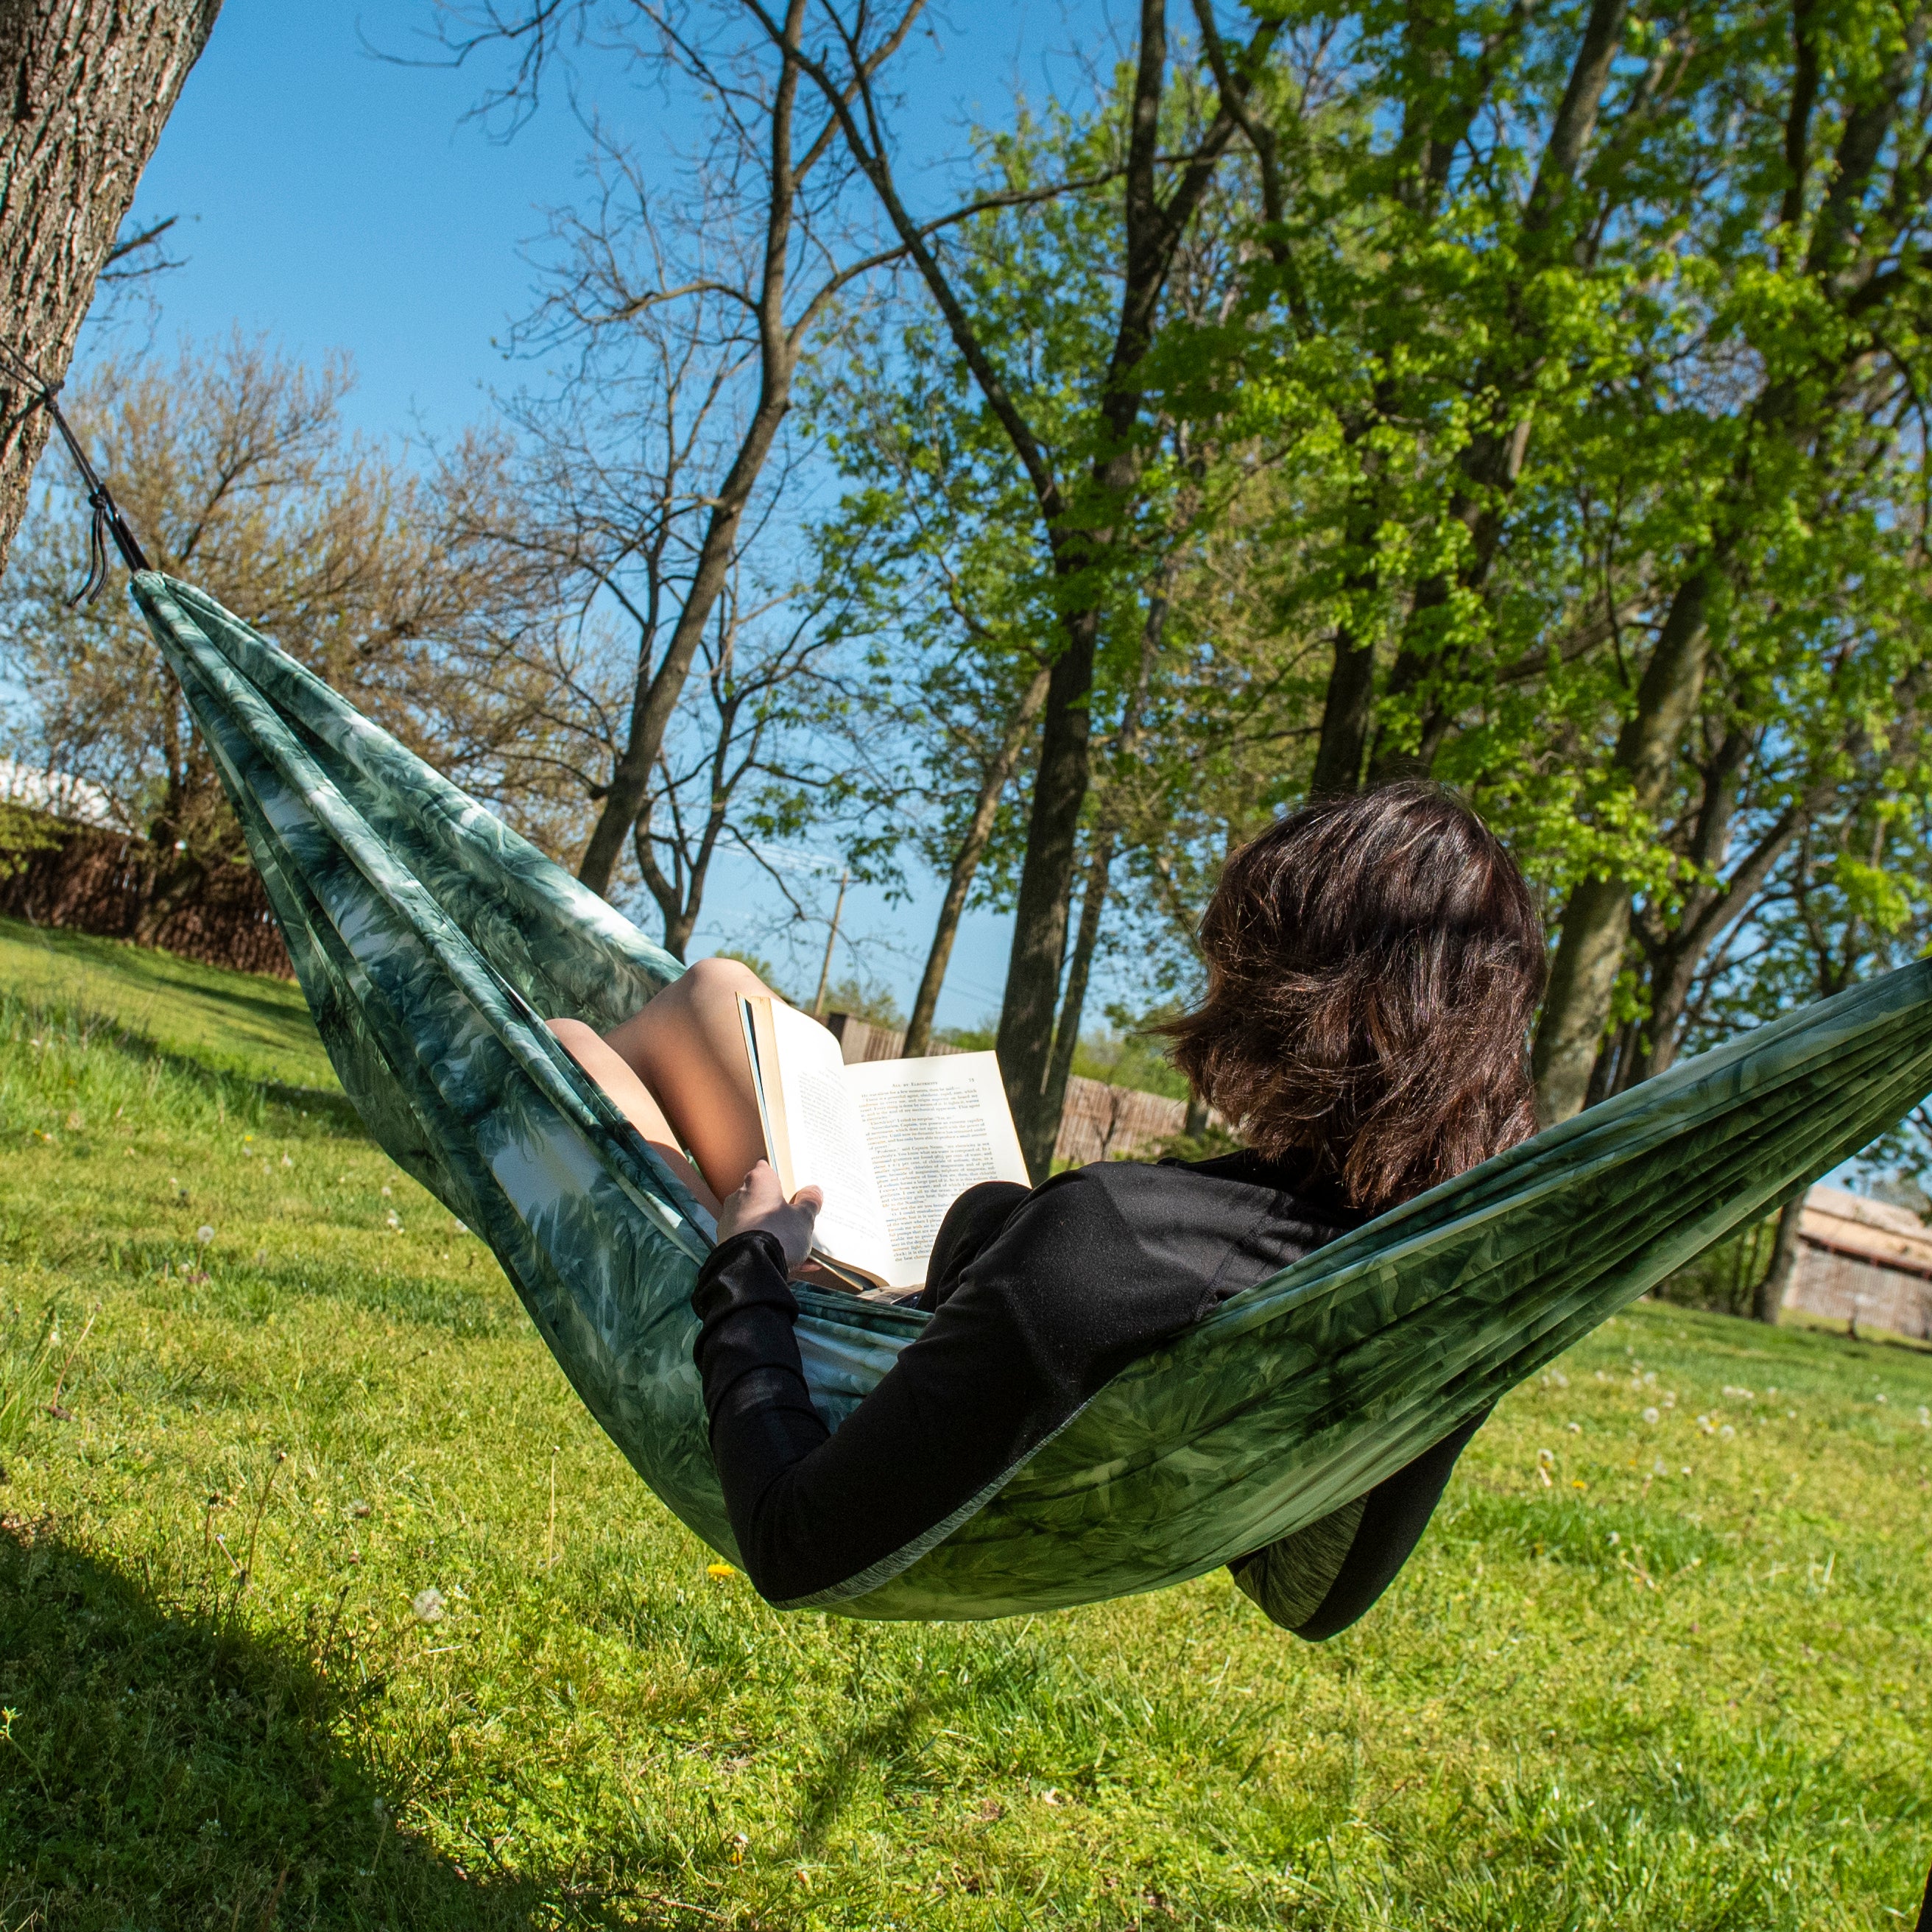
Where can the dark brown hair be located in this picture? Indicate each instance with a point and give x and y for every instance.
(1372, 965)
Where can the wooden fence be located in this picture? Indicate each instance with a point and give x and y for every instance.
(120, 887)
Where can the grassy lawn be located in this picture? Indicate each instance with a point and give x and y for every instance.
(243, 1023)
(1686, 1681)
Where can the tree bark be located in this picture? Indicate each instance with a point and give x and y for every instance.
(1767, 1298)
(1153, 232)
(1674, 964)
(1596, 921)
(1025, 1038)
(1073, 1001)
(1100, 867)
(89, 85)
(966, 864)
(1347, 711)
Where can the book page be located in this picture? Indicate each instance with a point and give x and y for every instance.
(815, 1124)
(934, 1128)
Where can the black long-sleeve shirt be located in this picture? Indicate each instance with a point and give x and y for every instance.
(1038, 1300)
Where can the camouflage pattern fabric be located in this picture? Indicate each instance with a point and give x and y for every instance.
(433, 942)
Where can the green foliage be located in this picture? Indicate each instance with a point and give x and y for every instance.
(22, 831)
(1607, 451)
(1723, 1279)
(1128, 1059)
(867, 999)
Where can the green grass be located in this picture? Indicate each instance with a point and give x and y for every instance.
(245, 1023)
(1686, 1682)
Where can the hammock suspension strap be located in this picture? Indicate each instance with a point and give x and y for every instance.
(107, 520)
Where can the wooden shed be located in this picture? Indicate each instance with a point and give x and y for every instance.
(1864, 1261)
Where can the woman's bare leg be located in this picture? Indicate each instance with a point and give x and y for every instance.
(686, 1050)
(619, 1081)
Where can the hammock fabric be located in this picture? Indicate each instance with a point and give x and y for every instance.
(432, 942)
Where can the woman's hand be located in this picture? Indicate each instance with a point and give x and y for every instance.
(760, 1204)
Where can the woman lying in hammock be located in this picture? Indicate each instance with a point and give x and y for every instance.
(1372, 965)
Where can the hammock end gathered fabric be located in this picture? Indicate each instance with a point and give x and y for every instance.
(429, 939)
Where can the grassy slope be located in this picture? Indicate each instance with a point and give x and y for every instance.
(1685, 1684)
(242, 1022)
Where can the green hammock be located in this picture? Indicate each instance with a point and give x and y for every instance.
(433, 942)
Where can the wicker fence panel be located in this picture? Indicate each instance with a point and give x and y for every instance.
(119, 887)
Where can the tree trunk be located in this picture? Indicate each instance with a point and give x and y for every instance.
(1768, 1299)
(1346, 711)
(654, 699)
(1079, 968)
(655, 695)
(1025, 1039)
(89, 85)
(1596, 921)
(966, 864)
(1099, 865)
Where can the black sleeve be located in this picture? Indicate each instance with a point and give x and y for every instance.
(1038, 1323)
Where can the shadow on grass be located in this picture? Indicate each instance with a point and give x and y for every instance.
(161, 1767)
(329, 1108)
(863, 1751)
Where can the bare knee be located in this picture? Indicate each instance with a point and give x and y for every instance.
(717, 978)
(710, 987)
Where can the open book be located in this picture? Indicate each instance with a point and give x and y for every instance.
(893, 1143)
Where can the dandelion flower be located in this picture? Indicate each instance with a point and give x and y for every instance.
(428, 1606)
(1880, 1397)
(719, 1573)
(1727, 1430)
(1651, 1415)
(385, 1194)
(288, 1160)
(1575, 1428)
(1545, 1457)
(395, 1221)
(204, 1234)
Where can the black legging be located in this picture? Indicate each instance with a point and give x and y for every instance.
(973, 1223)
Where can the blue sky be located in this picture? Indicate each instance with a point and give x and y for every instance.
(338, 201)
